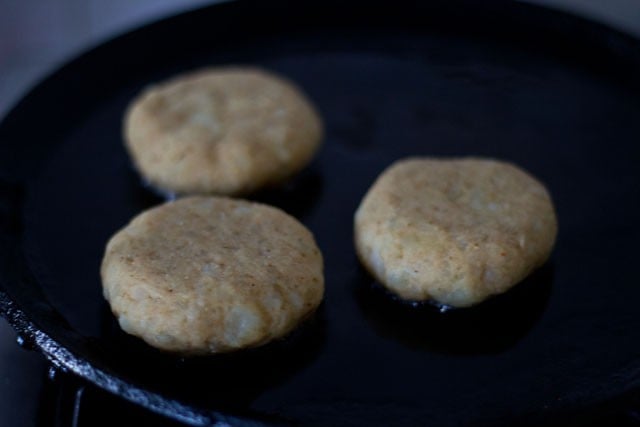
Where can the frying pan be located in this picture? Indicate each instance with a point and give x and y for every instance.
(556, 94)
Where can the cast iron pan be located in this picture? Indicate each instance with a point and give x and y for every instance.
(555, 94)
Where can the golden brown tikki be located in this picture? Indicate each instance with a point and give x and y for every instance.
(455, 231)
(222, 130)
(209, 274)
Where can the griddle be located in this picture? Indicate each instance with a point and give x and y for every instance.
(553, 93)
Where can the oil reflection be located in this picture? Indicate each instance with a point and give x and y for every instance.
(490, 327)
(296, 196)
(226, 382)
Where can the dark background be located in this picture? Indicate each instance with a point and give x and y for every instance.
(38, 35)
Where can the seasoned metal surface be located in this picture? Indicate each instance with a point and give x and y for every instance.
(557, 95)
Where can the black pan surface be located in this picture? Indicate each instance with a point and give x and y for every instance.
(555, 94)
